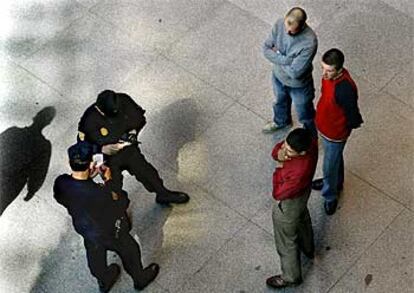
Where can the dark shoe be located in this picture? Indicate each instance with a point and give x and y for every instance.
(113, 274)
(278, 283)
(310, 255)
(330, 207)
(317, 184)
(172, 197)
(149, 274)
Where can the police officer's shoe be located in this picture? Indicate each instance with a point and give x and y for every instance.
(172, 197)
(112, 275)
(149, 274)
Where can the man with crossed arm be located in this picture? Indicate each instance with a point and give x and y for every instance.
(291, 48)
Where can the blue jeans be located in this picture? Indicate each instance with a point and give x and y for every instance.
(302, 98)
(333, 169)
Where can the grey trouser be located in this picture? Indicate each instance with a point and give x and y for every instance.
(293, 233)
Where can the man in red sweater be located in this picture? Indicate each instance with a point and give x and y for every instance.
(296, 159)
(337, 113)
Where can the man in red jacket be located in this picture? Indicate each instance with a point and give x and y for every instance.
(337, 114)
(296, 159)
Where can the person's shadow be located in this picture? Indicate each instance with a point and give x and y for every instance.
(24, 158)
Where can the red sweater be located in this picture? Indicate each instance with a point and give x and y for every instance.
(337, 111)
(296, 174)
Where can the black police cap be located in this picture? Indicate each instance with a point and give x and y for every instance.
(107, 102)
(81, 152)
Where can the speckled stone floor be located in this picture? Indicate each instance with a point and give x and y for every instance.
(196, 66)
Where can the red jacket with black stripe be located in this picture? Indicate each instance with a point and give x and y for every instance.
(337, 111)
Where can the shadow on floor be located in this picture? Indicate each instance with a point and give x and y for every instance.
(25, 156)
(170, 129)
(64, 269)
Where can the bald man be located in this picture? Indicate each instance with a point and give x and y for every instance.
(291, 48)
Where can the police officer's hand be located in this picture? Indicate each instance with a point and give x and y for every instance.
(93, 170)
(105, 172)
(112, 149)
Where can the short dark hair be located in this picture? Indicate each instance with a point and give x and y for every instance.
(80, 156)
(334, 57)
(78, 166)
(299, 139)
(298, 15)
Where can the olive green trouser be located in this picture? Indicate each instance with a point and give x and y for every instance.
(293, 233)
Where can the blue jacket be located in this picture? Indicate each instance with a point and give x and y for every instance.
(292, 62)
(93, 207)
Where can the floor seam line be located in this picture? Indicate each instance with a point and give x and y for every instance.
(384, 193)
(234, 99)
(233, 236)
(364, 251)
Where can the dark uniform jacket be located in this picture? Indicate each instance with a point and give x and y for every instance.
(93, 207)
(101, 130)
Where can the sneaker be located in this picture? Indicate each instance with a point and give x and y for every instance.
(272, 127)
(172, 197)
(113, 273)
(277, 282)
(330, 207)
(149, 274)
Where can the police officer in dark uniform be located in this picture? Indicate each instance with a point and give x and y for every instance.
(99, 216)
(112, 124)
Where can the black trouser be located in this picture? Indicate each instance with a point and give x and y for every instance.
(131, 159)
(127, 249)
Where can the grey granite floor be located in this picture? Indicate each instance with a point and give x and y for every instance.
(197, 68)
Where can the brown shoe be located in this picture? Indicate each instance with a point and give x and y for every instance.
(277, 282)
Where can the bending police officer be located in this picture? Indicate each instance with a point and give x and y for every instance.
(109, 230)
(112, 124)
